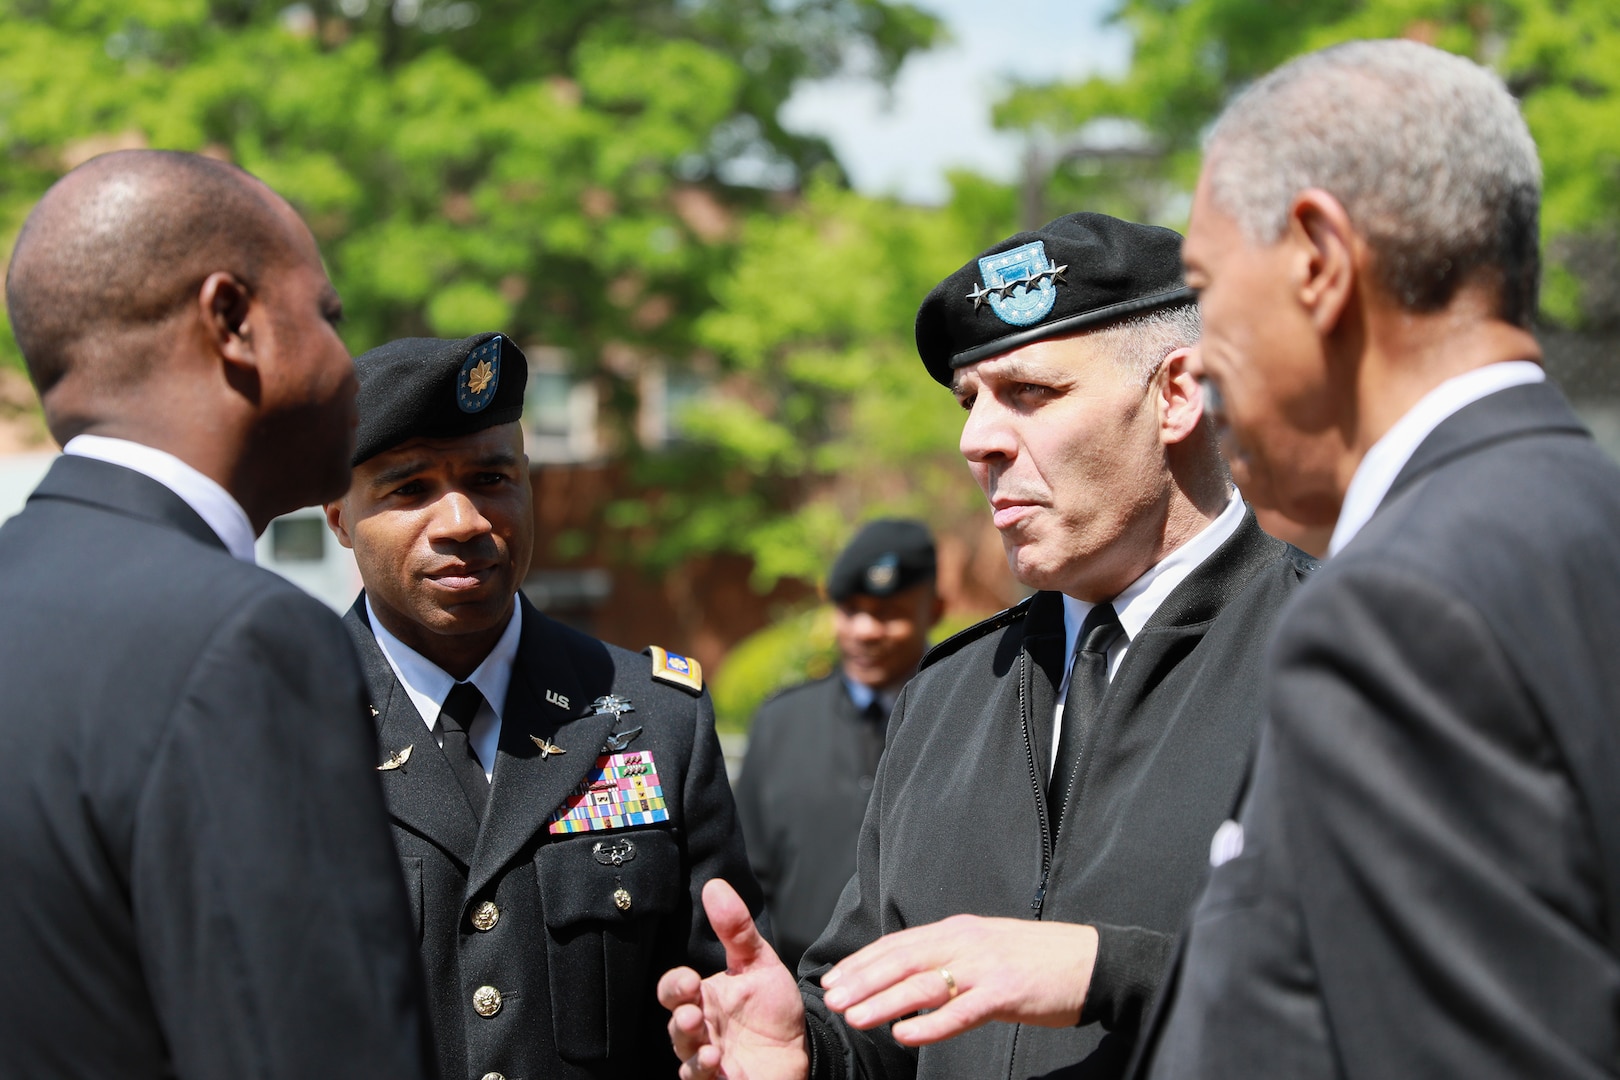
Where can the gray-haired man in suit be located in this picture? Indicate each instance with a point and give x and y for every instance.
(1424, 880)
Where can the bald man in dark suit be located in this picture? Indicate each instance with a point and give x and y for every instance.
(198, 880)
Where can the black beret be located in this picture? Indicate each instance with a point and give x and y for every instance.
(1079, 272)
(430, 388)
(883, 558)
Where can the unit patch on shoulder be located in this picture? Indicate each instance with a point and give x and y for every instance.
(681, 671)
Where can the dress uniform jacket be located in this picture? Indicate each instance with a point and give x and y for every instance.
(812, 758)
(959, 822)
(542, 951)
(1429, 877)
(195, 874)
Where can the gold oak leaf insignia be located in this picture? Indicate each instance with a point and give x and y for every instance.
(479, 376)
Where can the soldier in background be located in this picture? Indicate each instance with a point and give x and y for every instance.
(813, 749)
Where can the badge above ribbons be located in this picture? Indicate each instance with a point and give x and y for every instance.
(480, 377)
(1020, 285)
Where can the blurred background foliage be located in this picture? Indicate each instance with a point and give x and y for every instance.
(611, 179)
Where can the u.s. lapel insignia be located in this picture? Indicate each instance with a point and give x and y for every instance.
(557, 699)
(618, 740)
(546, 748)
(396, 759)
(678, 670)
(620, 791)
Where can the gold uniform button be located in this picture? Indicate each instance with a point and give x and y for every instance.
(486, 1001)
(621, 897)
(485, 916)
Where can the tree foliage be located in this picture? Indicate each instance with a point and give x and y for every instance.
(1562, 57)
(568, 172)
(820, 412)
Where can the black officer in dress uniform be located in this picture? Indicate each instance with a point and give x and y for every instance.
(813, 749)
(557, 802)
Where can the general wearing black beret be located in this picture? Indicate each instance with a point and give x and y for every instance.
(883, 558)
(1079, 272)
(435, 389)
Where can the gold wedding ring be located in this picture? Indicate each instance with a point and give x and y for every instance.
(950, 983)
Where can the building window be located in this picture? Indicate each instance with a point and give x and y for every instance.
(559, 413)
(298, 539)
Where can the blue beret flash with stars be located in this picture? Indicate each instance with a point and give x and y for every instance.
(480, 376)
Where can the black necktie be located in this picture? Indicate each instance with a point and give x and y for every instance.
(1087, 685)
(454, 719)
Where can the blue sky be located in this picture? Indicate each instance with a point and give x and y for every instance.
(939, 115)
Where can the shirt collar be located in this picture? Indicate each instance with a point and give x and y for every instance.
(427, 684)
(1389, 455)
(1142, 597)
(218, 509)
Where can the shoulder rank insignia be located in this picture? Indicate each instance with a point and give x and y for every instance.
(674, 668)
(396, 759)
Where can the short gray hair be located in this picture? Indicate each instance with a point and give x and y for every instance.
(1141, 342)
(1427, 152)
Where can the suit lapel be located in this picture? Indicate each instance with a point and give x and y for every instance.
(528, 786)
(422, 794)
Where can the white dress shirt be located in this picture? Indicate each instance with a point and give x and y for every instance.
(427, 684)
(213, 504)
(1141, 598)
(863, 695)
(1389, 455)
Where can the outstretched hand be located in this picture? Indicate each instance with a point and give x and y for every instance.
(968, 971)
(746, 1022)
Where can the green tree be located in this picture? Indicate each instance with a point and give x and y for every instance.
(1562, 57)
(820, 412)
(568, 172)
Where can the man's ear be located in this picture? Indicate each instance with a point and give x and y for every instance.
(1180, 398)
(227, 305)
(335, 522)
(1331, 255)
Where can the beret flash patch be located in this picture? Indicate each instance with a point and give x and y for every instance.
(1021, 284)
(480, 377)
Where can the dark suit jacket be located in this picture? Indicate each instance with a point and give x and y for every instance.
(195, 875)
(812, 757)
(1427, 884)
(958, 821)
(576, 973)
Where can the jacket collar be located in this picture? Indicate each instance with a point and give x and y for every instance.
(123, 491)
(1517, 412)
